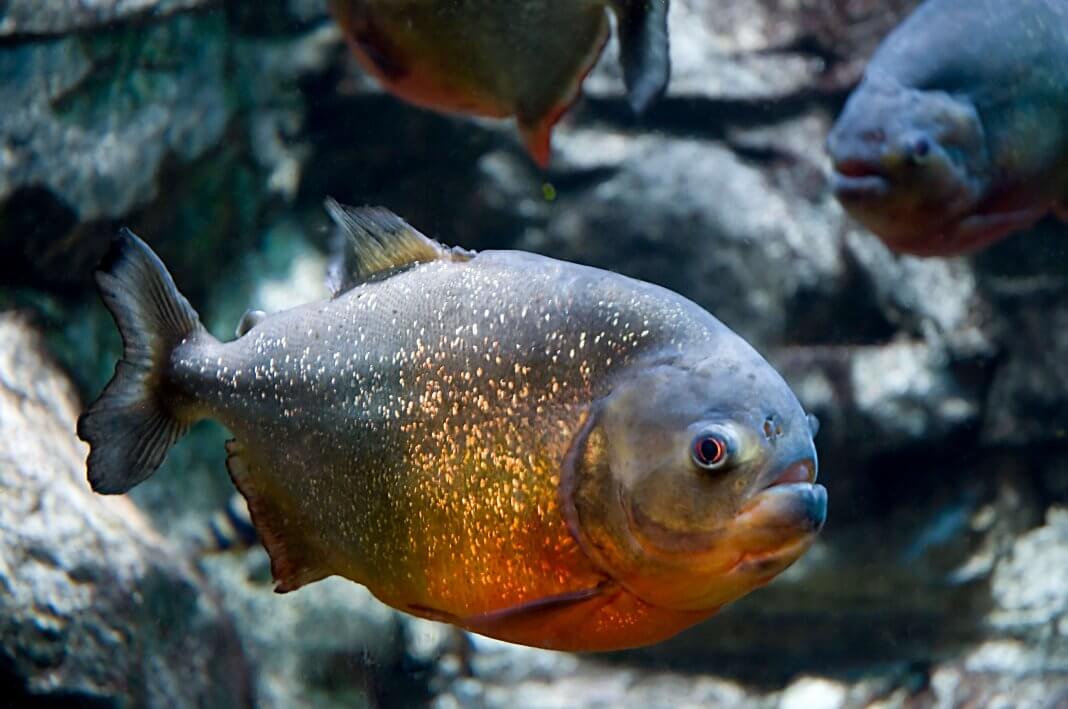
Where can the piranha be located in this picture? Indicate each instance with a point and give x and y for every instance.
(501, 58)
(958, 134)
(530, 449)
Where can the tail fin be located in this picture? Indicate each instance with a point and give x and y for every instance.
(130, 428)
(643, 47)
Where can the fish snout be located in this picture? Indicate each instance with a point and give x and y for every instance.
(809, 507)
(789, 499)
(858, 164)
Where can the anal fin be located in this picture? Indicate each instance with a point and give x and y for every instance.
(294, 562)
(537, 139)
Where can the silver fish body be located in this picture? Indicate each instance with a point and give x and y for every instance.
(503, 441)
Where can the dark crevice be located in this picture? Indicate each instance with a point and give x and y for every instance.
(37, 231)
(850, 315)
(695, 116)
(15, 693)
(811, 46)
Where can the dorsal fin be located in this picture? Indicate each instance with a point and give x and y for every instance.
(376, 243)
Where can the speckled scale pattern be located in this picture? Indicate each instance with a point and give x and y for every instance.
(411, 431)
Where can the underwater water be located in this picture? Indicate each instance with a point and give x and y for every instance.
(889, 242)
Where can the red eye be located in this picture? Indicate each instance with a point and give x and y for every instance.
(709, 451)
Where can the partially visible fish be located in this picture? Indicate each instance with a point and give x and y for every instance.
(229, 528)
(958, 134)
(501, 58)
(530, 449)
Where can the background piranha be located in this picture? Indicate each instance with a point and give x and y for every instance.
(534, 450)
(958, 135)
(501, 58)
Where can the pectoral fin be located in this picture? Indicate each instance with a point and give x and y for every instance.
(545, 622)
(643, 43)
(979, 230)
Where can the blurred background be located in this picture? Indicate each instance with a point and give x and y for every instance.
(216, 129)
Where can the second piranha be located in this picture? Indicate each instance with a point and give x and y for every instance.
(501, 58)
(958, 135)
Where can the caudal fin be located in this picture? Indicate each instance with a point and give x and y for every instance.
(130, 428)
(643, 45)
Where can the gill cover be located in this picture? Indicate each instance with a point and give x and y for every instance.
(651, 502)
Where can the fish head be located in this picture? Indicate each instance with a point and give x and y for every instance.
(693, 481)
(909, 164)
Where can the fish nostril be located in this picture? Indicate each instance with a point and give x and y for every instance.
(773, 428)
(876, 135)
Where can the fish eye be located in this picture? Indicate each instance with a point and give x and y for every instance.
(710, 451)
(919, 149)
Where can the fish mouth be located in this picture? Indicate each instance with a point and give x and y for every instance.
(855, 179)
(857, 188)
(791, 504)
(777, 526)
(772, 529)
(803, 471)
(799, 506)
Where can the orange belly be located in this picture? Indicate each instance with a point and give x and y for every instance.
(438, 71)
(612, 620)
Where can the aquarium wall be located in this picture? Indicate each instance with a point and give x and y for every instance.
(216, 130)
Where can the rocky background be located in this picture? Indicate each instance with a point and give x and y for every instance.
(215, 130)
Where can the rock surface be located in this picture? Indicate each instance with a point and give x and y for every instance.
(150, 120)
(49, 17)
(94, 605)
(92, 119)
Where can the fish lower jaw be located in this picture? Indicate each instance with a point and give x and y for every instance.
(763, 566)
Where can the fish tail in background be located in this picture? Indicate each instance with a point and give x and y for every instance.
(130, 428)
(230, 528)
(644, 52)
